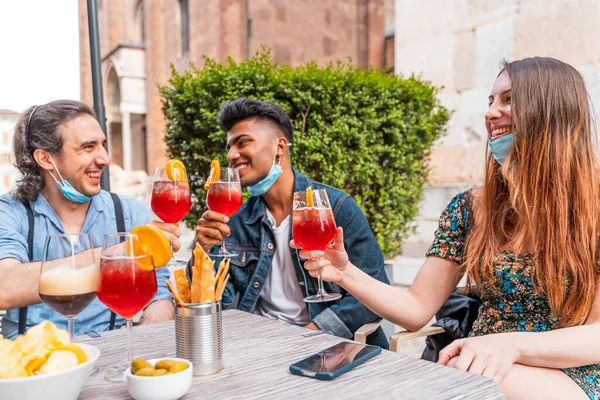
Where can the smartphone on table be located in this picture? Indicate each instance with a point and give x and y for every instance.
(330, 363)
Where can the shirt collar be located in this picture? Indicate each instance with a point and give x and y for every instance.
(41, 206)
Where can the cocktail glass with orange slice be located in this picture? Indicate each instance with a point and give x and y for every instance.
(171, 199)
(313, 228)
(224, 195)
(127, 277)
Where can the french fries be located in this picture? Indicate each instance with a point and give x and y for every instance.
(206, 286)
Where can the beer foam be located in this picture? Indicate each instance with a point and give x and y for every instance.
(66, 281)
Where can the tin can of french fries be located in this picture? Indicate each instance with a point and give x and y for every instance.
(199, 336)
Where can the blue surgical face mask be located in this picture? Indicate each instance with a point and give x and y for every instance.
(67, 190)
(501, 147)
(263, 186)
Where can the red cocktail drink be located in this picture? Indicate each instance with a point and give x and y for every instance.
(313, 228)
(171, 200)
(224, 198)
(126, 285)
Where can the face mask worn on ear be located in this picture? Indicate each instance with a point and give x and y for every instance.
(263, 186)
(501, 147)
(67, 190)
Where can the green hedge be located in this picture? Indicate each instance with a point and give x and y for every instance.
(368, 133)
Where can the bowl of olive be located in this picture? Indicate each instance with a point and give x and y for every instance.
(159, 378)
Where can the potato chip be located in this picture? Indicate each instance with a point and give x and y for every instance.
(31, 362)
(78, 351)
(221, 287)
(49, 335)
(12, 373)
(203, 277)
(173, 292)
(43, 349)
(59, 360)
(10, 354)
(29, 343)
(183, 285)
(207, 286)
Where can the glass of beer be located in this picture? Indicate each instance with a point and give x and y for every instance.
(69, 276)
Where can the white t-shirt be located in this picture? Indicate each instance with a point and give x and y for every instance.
(281, 297)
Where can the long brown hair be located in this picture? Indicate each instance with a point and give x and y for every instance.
(545, 198)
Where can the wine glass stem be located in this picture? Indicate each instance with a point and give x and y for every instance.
(71, 327)
(129, 324)
(321, 291)
(173, 256)
(223, 248)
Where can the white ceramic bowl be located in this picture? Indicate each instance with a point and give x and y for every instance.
(165, 387)
(65, 385)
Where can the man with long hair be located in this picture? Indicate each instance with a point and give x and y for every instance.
(60, 152)
(527, 241)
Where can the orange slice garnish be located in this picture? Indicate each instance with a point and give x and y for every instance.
(153, 244)
(175, 170)
(309, 197)
(214, 175)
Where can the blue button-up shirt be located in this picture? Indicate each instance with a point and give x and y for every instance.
(100, 220)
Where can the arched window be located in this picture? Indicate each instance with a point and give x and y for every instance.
(140, 29)
(183, 22)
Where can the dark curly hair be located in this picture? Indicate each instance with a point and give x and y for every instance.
(45, 132)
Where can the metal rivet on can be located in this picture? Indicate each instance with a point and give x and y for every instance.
(256, 284)
(270, 246)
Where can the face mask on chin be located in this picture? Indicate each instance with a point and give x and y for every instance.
(67, 189)
(263, 186)
(501, 147)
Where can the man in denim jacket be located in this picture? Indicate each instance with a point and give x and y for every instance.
(267, 273)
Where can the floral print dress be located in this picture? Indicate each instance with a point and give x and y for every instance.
(517, 307)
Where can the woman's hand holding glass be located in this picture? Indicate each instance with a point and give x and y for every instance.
(333, 262)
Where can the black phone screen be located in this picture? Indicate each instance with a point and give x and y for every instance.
(335, 357)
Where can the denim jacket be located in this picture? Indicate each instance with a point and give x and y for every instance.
(253, 239)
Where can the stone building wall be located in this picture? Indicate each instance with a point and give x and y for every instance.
(459, 45)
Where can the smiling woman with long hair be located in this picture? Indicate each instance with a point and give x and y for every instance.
(527, 241)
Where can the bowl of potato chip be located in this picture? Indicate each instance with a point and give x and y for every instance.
(43, 364)
(159, 378)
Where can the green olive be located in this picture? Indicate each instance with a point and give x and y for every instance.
(164, 364)
(178, 366)
(139, 363)
(146, 372)
(161, 372)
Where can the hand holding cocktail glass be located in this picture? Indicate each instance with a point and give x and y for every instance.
(171, 200)
(331, 262)
(313, 229)
(224, 199)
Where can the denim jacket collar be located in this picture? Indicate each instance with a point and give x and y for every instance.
(259, 207)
